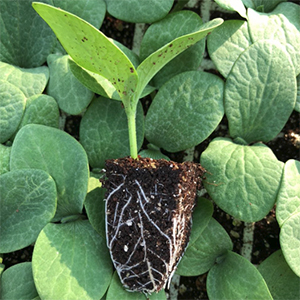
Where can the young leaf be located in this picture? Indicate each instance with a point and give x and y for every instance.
(153, 63)
(42, 147)
(71, 261)
(260, 92)
(226, 43)
(91, 49)
(28, 203)
(288, 199)
(202, 254)
(12, 105)
(234, 277)
(233, 5)
(290, 242)
(26, 40)
(185, 111)
(282, 282)
(17, 282)
(71, 100)
(263, 5)
(29, 81)
(139, 11)
(242, 180)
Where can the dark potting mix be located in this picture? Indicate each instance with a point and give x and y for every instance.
(149, 205)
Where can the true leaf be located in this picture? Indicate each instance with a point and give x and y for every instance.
(59, 154)
(288, 199)
(242, 180)
(262, 78)
(290, 242)
(5, 157)
(71, 261)
(282, 282)
(201, 255)
(233, 5)
(28, 203)
(265, 5)
(17, 282)
(185, 111)
(234, 277)
(26, 40)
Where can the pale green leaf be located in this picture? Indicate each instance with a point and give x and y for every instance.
(4, 158)
(233, 5)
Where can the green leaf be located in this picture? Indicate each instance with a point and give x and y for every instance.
(290, 242)
(242, 180)
(92, 11)
(104, 131)
(29, 81)
(153, 152)
(59, 154)
(71, 96)
(288, 199)
(91, 49)
(234, 277)
(260, 92)
(157, 60)
(226, 43)
(278, 26)
(71, 261)
(164, 31)
(117, 291)
(95, 206)
(26, 40)
(139, 11)
(264, 5)
(233, 5)
(201, 255)
(185, 111)
(12, 105)
(281, 280)
(28, 203)
(17, 283)
(40, 109)
(4, 158)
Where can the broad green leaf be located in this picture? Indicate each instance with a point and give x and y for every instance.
(71, 96)
(233, 5)
(242, 180)
(202, 254)
(297, 105)
(91, 49)
(157, 60)
(29, 81)
(226, 43)
(95, 206)
(71, 261)
(92, 11)
(279, 25)
(28, 203)
(12, 105)
(139, 11)
(282, 282)
(185, 111)
(262, 5)
(59, 154)
(4, 158)
(164, 31)
(17, 283)
(153, 152)
(117, 291)
(26, 40)
(41, 109)
(234, 277)
(288, 199)
(290, 242)
(104, 131)
(260, 92)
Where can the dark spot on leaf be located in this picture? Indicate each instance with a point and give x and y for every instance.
(154, 63)
(131, 70)
(119, 79)
(171, 45)
(124, 93)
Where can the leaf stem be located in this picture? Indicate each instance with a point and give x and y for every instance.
(131, 117)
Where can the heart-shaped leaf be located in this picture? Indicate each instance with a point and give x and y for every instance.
(42, 147)
(242, 180)
(71, 261)
(28, 203)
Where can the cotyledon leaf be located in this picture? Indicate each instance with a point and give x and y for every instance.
(153, 63)
(90, 48)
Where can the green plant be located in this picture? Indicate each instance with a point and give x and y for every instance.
(45, 181)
